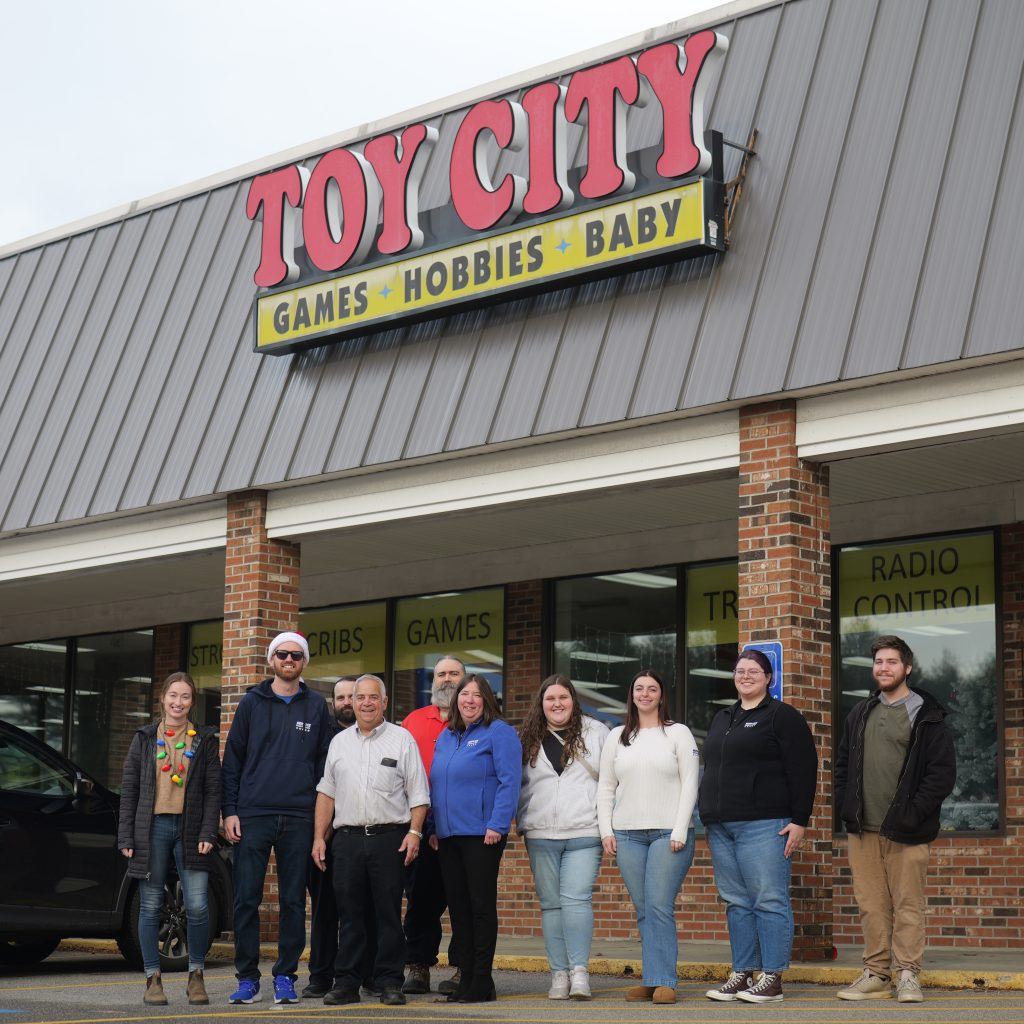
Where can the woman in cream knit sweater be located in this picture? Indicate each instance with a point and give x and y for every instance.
(645, 800)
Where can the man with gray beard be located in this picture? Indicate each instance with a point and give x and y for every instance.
(426, 897)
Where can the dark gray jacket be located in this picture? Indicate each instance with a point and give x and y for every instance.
(201, 817)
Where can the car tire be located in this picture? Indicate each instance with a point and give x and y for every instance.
(26, 952)
(172, 937)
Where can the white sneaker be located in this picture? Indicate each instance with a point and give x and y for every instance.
(559, 985)
(867, 986)
(579, 988)
(908, 988)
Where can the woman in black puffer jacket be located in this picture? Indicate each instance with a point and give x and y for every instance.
(170, 806)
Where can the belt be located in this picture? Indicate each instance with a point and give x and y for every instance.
(373, 830)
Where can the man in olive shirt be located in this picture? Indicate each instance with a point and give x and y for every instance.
(896, 764)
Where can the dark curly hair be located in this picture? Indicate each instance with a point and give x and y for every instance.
(535, 727)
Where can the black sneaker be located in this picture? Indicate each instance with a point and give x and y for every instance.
(315, 990)
(739, 981)
(768, 989)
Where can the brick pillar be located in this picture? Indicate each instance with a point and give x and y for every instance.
(518, 910)
(785, 594)
(261, 599)
(1008, 860)
(523, 656)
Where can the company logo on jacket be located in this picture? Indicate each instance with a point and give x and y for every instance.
(303, 726)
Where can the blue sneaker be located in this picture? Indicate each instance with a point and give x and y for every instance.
(284, 989)
(248, 992)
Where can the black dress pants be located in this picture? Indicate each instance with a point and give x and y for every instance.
(470, 870)
(369, 875)
(323, 929)
(426, 904)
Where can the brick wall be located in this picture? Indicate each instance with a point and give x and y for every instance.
(261, 599)
(785, 594)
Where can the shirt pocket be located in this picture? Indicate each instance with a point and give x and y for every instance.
(387, 777)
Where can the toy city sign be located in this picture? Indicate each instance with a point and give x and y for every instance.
(357, 212)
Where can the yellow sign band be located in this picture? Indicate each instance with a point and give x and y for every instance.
(566, 247)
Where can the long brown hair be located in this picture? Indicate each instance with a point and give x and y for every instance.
(491, 709)
(535, 728)
(632, 724)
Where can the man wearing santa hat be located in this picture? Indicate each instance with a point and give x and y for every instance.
(273, 757)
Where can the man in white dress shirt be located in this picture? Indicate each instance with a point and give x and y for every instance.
(374, 792)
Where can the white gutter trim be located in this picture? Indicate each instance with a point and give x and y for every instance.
(174, 531)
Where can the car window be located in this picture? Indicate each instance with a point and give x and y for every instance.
(22, 771)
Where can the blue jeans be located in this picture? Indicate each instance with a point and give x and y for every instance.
(752, 875)
(564, 871)
(654, 875)
(291, 840)
(165, 842)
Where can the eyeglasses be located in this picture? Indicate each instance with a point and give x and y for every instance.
(753, 673)
(285, 655)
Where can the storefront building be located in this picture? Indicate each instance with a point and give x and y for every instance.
(707, 338)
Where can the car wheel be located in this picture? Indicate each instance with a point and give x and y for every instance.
(25, 952)
(172, 934)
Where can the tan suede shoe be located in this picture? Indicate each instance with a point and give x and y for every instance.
(154, 991)
(663, 994)
(196, 989)
(639, 994)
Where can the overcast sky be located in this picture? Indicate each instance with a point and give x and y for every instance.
(106, 101)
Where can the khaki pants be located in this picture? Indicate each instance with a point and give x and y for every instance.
(888, 881)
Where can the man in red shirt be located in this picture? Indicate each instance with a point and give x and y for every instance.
(426, 898)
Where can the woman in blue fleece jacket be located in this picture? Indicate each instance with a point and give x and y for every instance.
(474, 790)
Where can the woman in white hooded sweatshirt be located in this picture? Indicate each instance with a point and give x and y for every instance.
(558, 817)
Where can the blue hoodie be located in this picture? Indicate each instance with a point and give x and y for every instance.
(275, 753)
(474, 779)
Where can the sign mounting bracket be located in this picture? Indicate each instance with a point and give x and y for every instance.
(734, 187)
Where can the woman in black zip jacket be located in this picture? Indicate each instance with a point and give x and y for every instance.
(170, 806)
(760, 773)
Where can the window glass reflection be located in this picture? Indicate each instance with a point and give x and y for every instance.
(938, 594)
(32, 688)
(712, 627)
(607, 628)
(113, 696)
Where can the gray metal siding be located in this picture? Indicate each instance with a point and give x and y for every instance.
(879, 230)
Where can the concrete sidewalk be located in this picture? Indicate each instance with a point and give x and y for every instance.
(954, 968)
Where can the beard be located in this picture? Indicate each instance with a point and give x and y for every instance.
(441, 695)
(345, 717)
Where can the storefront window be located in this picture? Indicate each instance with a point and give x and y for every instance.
(607, 628)
(205, 642)
(712, 628)
(470, 625)
(112, 697)
(939, 596)
(345, 641)
(32, 687)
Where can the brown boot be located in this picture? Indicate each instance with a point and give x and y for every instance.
(154, 991)
(663, 994)
(639, 994)
(196, 989)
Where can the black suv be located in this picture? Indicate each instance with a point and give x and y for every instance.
(61, 873)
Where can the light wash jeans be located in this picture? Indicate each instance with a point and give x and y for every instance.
(752, 875)
(564, 871)
(165, 841)
(654, 875)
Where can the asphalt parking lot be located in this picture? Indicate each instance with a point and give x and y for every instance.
(89, 988)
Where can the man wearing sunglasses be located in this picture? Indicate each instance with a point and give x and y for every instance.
(273, 758)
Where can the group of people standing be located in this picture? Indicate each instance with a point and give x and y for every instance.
(364, 811)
